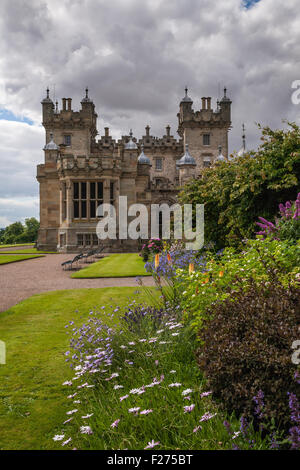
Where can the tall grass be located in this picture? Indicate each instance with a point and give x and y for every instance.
(139, 387)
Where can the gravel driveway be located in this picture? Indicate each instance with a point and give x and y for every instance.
(21, 280)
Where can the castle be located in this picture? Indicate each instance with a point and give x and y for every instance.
(80, 172)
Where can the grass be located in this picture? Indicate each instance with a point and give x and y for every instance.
(118, 265)
(16, 244)
(5, 259)
(27, 251)
(32, 401)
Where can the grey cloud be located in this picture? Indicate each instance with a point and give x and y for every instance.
(136, 57)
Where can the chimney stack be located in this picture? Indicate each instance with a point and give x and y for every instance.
(69, 104)
(203, 103)
(64, 104)
(106, 129)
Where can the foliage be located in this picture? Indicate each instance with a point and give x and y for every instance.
(287, 227)
(236, 192)
(17, 232)
(247, 348)
(232, 271)
(153, 246)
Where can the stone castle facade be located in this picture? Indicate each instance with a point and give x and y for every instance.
(80, 172)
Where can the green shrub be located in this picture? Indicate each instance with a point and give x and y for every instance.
(233, 270)
(247, 348)
(237, 192)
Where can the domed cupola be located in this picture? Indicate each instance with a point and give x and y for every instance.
(47, 99)
(187, 158)
(86, 99)
(225, 98)
(142, 158)
(186, 98)
(220, 157)
(51, 144)
(130, 145)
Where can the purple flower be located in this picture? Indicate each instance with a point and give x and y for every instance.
(228, 427)
(259, 400)
(243, 425)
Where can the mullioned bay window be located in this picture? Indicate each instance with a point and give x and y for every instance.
(87, 196)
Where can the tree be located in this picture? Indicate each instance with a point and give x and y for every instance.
(31, 229)
(235, 193)
(12, 232)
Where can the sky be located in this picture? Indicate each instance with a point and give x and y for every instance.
(136, 57)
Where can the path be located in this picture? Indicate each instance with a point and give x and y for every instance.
(21, 280)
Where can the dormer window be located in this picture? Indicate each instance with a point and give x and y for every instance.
(206, 139)
(67, 140)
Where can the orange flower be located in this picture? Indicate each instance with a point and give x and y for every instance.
(206, 281)
(156, 261)
(221, 273)
(169, 258)
(191, 268)
(197, 290)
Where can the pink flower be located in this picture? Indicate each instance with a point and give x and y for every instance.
(152, 444)
(205, 394)
(146, 412)
(86, 430)
(115, 423)
(134, 410)
(124, 397)
(196, 429)
(189, 409)
(207, 416)
(67, 441)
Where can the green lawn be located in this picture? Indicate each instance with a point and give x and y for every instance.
(118, 265)
(26, 251)
(16, 244)
(5, 259)
(32, 398)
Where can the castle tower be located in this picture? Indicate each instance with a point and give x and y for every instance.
(205, 130)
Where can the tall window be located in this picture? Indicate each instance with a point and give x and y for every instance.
(96, 197)
(67, 140)
(87, 196)
(158, 163)
(64, 201)
(206, 139)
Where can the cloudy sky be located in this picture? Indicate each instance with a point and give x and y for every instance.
(136, 56)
